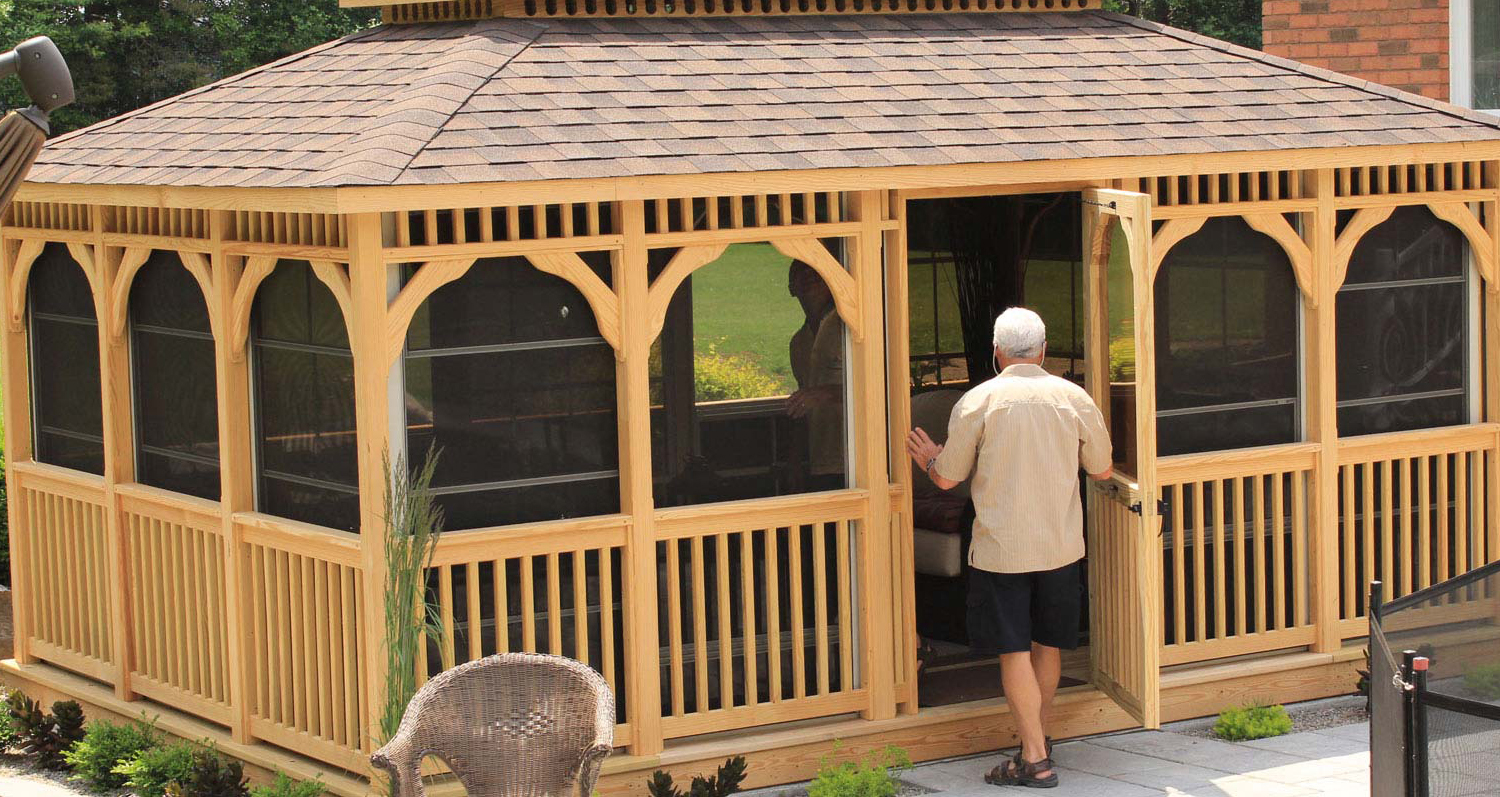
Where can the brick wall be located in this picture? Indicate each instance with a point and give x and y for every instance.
(1401, 43)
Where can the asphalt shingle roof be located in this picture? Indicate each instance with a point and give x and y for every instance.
(527, 99)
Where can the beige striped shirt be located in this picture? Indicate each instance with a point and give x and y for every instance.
(1023, 435)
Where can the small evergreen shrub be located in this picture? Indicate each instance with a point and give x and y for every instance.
(872, 776)
(724, 782)
(211, 775)
(150, 773)
(1484, 680)
(8, 738)
(105, 746)
(1252, 722)
(284, 786)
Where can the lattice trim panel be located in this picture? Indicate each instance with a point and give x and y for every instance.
(49, 216)
(694, 214)
(480, 9)
(513, 223)
(298, 229)
(171, 222)
(1213, 189)
(1413, 178)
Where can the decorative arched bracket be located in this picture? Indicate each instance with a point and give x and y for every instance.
(687, 260)
(1365, 219)
(336, 277)
(1481, 243)
(1297, 251)
(602, 300)
(1172, 233)
(428, 279)
(256, 271)
(119, 293)
(840, 282)
(26, 255)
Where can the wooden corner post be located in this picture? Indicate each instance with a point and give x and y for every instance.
(872, 472)
(372, 369)
(633, 392)
(236, 468)
(119, 448)
(1322, 422)
(15, 359)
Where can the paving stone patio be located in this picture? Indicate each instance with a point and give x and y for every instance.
(1334, 762)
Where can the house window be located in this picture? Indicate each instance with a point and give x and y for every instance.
(748, 382)
(172, 361)
(508, 378)
(1474, 54)
(1403, 318)
(1226, 342)
(66, 401)
(306, 466)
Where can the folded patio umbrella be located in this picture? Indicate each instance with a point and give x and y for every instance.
(47, 83)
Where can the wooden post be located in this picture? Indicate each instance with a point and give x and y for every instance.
(1322, 423)
(236, 470)
(633, 392)
(898, 396)
(372, 369)
(871, 471)
(15, 360)
(1491, 373)
(119, 449)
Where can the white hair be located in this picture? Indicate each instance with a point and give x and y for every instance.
(1020, 334)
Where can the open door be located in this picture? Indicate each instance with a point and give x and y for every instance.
(1124, 548)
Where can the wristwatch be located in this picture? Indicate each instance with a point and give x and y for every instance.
(928, 469)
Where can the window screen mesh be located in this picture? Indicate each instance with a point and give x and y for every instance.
(67, 403)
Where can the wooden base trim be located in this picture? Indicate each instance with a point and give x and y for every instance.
(1238, 645)
(77, 662)
(181, 699)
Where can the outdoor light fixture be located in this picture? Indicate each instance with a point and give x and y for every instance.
(48, 85)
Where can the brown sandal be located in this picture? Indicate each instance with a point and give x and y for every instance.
(1017, 772)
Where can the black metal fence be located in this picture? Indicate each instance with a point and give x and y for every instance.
(1435, 689)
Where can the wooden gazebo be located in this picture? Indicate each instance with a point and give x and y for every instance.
(490, 223)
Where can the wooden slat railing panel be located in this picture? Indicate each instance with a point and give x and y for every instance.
(1235, 552)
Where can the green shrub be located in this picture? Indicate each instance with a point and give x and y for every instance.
(106, 745)
(154, 769)
(44, 738)
(1252, 722)
(872, 776)
(1122, 358)
(211, 775)
(721, 784)
(721, 377)
(9, 740)
(284, 786)
(1484, 680)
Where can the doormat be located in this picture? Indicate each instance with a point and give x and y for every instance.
(947, 680)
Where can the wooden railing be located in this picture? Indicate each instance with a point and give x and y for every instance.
(556, 588)
(1235, 551)
(303, 591)
(66, 578)
(178, 600)
(1414, 508)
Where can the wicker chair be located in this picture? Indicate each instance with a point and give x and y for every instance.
(509, 725)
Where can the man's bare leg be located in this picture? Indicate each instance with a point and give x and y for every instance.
(1046, 662)
(1024, 695)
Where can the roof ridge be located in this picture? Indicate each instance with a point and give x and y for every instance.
(1456, 111)
(224, 81)
(417, 113)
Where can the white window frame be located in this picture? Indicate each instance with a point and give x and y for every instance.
(1461, 55)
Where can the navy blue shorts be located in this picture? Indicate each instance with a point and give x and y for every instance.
(1009, 611)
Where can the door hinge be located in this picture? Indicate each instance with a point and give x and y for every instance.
(1162, 507)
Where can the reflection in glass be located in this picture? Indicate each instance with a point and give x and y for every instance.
(304, 401)
(507, 376)
(1485, 23)
(172, 363)
(748, 382)
(1119, 299)
(1403, 327)
(1226, 342)
(66, 402)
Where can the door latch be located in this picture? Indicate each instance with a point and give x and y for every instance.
(1163, 509)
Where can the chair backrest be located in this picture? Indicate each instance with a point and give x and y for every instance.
(512, 724)
(930, 411)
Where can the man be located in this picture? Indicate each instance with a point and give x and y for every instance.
(817, 358)
(1023, 435)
